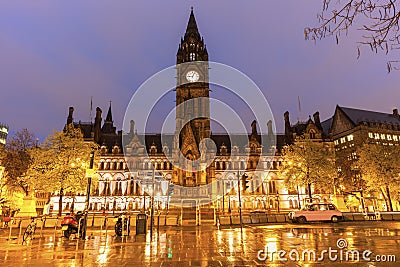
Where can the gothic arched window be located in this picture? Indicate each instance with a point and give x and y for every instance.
(312, 134)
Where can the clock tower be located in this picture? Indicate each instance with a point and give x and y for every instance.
(192, 100)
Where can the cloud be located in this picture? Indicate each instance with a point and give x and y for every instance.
(57, 54)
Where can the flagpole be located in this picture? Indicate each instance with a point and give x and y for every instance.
(91, 107)
(298, 100)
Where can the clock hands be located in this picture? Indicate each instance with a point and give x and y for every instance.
(192, 76)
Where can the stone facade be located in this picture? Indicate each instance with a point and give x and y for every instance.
(125, 181)
(158, 166)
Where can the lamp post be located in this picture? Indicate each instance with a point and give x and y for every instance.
(152, 205)
(144, 199)
(89, 176)
(298, 196)
(240, 201)
(278, 202)
(223, 196)
(229, 196)
(267, 191)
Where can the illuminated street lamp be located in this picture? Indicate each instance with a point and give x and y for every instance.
(267, 191)
(223, 195)
(278, 201)
(89, 175)
(240, 200)
(152, 204)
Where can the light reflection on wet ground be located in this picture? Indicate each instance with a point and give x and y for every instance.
(207, 246)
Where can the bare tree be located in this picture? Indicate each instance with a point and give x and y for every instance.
(377, 19)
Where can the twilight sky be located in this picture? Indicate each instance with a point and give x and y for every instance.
(56, 54)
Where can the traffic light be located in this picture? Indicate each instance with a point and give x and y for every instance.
(245, 182)
(171, 189)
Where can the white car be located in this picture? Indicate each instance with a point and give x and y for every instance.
(316, 212)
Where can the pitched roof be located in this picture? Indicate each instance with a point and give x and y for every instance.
(241, 140)
(358, 115)
(86, 128)
(326, 126)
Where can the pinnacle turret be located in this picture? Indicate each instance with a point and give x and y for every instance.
(109, 114)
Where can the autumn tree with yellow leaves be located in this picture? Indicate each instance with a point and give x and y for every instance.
(60, 162)
(307, 163)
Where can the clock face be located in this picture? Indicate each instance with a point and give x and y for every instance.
(192, 76)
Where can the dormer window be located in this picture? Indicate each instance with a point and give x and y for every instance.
(166, 150)
(235, 150)
(192, 56)
(115, 149)
(223, 149)
(103, 150)
(312, 134)
(153, 149)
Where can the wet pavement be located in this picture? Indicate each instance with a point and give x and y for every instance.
(321, 244)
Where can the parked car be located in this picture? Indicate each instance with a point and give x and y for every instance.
(316, 212)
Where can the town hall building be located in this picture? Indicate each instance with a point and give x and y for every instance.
(125, 178)
(175, 168)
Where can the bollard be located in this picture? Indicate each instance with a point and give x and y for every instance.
(104, 225)
(79, 226)
(105, 222)
(55, 227)
(20, 229)
(9, 236)
(128, 226)
(199, 217)
(101, 227)
(215, 218)
(41, 228)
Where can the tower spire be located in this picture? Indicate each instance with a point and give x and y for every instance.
(109, 114)
(191, 29)
(108, 126)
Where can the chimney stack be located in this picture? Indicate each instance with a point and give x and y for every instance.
(269, 127)
(132, 127)
(317, 121)
(254, 127)
(97, 125)
(287, 122)
(396, 113)
(70, 113)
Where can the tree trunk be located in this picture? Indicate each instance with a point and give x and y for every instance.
(390, 207)
(362, 201)
(60, 202)
(309, 184)
(385, 196)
